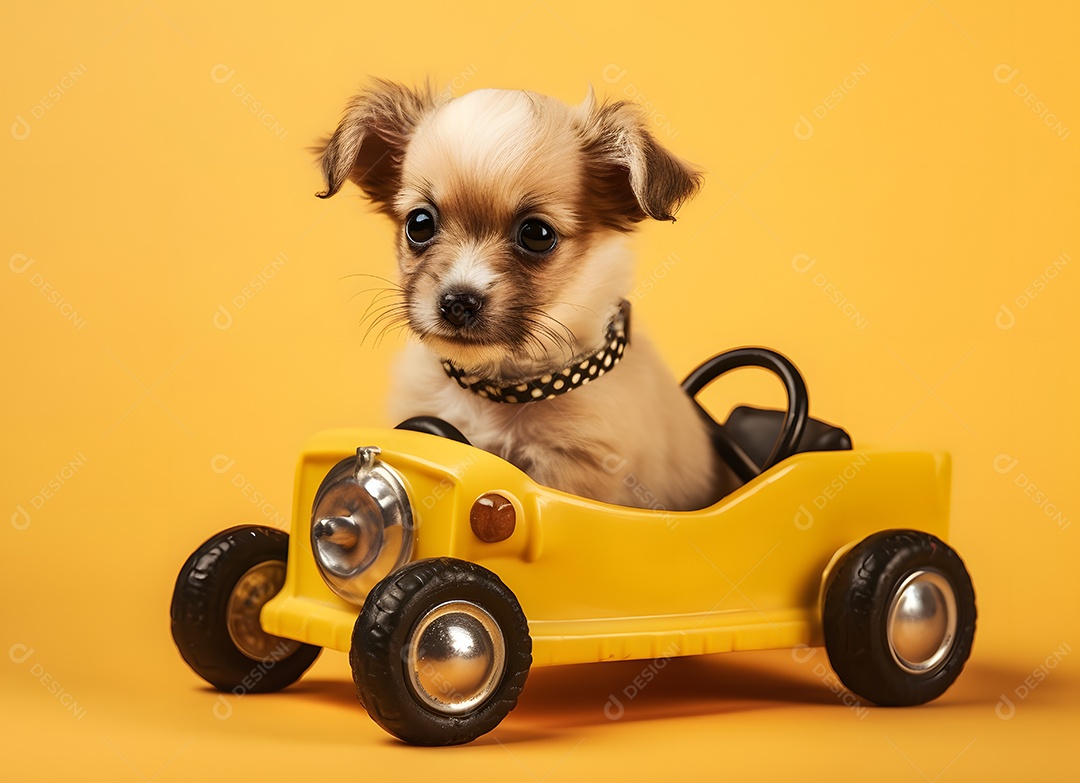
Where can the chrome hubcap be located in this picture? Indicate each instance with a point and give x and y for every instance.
(257, 586)
(456, 657)
(921, 624)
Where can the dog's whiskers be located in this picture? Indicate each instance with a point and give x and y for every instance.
(388, 330)
(384, 315)
(392, 283)
(545, 337)
(382, 302)
(387, 305)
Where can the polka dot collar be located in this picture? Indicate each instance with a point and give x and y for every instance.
(578, 372)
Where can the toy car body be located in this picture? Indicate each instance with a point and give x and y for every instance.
(442, 568)
(600, 582)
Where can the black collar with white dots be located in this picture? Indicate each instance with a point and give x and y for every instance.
(578, 372)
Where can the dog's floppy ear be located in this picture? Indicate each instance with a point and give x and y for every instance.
(634, 176)
(370, 140)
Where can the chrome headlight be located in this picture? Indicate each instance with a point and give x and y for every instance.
(361, 525)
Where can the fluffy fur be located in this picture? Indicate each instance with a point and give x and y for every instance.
(482, 164)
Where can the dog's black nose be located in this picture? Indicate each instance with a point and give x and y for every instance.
(460, 308)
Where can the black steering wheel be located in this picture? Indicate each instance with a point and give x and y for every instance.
(795, 418)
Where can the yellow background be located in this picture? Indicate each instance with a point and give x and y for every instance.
(169, 171)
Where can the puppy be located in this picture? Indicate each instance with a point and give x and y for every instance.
(513, 212)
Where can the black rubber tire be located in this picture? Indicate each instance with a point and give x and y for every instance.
(199, 605)
(378, 654)
(857, 600)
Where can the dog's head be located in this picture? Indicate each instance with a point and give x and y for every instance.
(512, 207)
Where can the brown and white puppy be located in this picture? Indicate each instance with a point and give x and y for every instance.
(513, 211)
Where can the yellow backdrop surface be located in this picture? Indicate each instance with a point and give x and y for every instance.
(891, 199)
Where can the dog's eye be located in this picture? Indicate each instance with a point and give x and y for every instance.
(420, 226)
(536, 236)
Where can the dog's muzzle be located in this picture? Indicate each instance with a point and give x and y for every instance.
(577, 373)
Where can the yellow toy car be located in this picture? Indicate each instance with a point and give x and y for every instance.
(446, 573)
